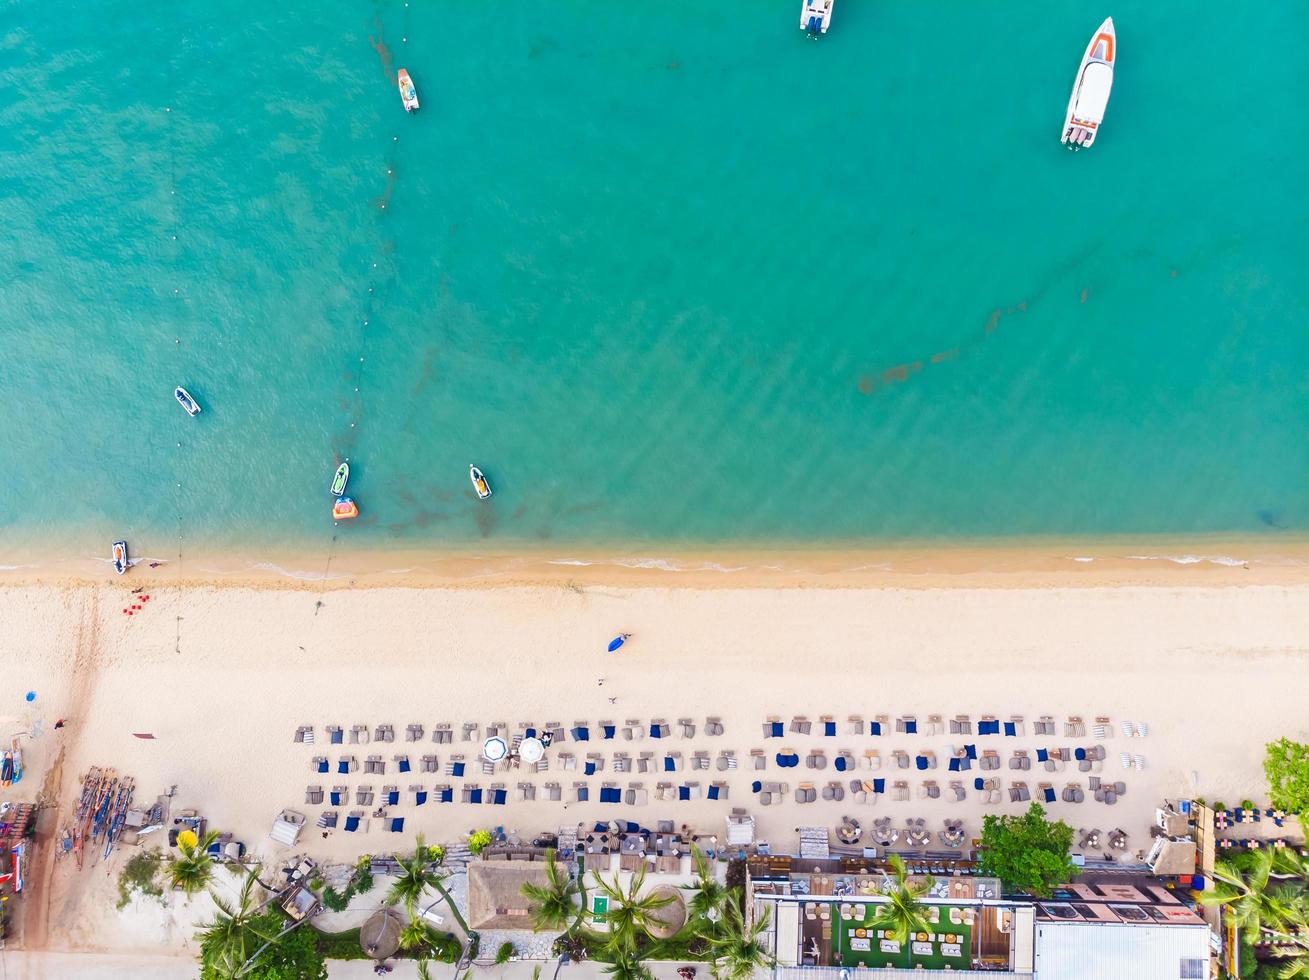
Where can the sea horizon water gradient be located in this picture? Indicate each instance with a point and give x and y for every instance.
(667, 273)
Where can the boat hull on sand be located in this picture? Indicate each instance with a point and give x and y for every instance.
(1095, 79)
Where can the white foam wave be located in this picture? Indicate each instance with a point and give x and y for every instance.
(1193, 559)
(302, 576)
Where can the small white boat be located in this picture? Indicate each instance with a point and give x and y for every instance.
(479, 483)
(815, 16)
(408, 94)
(186, 401)
(121, 561)
(1095, 79)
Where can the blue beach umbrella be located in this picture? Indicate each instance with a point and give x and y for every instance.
(618, 641)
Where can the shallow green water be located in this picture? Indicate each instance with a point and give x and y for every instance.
(666, 272)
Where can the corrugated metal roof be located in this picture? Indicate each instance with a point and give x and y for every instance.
(1112, 951)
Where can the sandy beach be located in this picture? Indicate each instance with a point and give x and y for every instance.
(223, 675)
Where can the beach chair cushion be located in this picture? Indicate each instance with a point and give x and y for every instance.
(396, 825)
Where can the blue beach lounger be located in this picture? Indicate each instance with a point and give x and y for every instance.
(396, 825)
(979, 783)
(393, 798)
(775, 729)
(920, 761)
(580, 734)
(658, 731)
(404, 763)
(589, 769)
(498, 797)
(670, 764)
(1048, 794)
(338, 736)
(420, 797)
(322, 765)
(713, 792)
(343, 766)
(608, 731)
(756, 786)
(684, 792)
(1011, 729)
(475, 796)
(446, 795)
(338, 798)
(874, 728)
(879, 785)
(829, 728)
(351, 824)
(1042, 755)
(458, 769)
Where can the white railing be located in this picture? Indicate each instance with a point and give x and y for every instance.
(876, 973)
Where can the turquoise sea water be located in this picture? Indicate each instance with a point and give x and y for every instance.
(667, 272)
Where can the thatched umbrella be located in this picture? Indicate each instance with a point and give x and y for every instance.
(380, 935)
(666, 921)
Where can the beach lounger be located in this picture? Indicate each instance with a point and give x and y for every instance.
(1129, 729)
(932, 788)
(658, 728)
(608, 731)
(314, 795)
(610, 793)
(595, 762)
(488, 767)
(498, 795)
(384, 733)
(713, 726)
(961, 725)
(990, 760)
(542, 764)
(758, 760)
(805, 793)
(636, 795)
(773, 728)
(470, 730)
(390, 795)
(305, 733)
(364, 796)
(1125, 759)
(672, 762)
(1044, 725)
(579, 732)
(827, 726)
(1120, 788)
(1142, 729)
(844, 762)
(934, 725)
(1047, 792)
(872, 759)
(455, 767)
(855, 725)
(717, 791)
(443, 734)
(901, 758)
(334, 735)
(927, 760)
(340, 795)
(957, 790)
(346, 765)
(622, 762)
(402, 762)
(1100, 731)
(645, 762)
(319, 764)
(475, 794)
(352, 821)
(430, 763)
(374, 765)
(327, 820)
(567, 761)
(445, 793)
(633, 730)
(699, 760)
(413, 733)
(800, 725)
(396, 825)
(555, 730)
(1138, 762)
(816, 759)
(526, 792)
(553, 792)
(420, 795)
(1074, 727)
(686, 727)
(726, 760)
(1015, 727)
(497, 729)
(581, 793)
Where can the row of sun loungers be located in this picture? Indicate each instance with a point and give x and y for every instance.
(1015, 726)
(961, 759)
(870, 790)
(591, 763)
(497, 794)
(580, 731)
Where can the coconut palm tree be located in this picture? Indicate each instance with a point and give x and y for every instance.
(553, 906)
(234, 935)
(628, 968)
(194, 868)
(629, 912)
(738, 951)
(706, 906)
(903, 914)
(417, 874)
(1250, 902)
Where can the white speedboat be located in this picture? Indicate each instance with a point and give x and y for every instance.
(815, 16)
(1095, 78)
(479, 483)
(186, 401)
(408, 94)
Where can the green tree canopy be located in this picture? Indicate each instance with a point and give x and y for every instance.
(1286, 764)
(1028, 853)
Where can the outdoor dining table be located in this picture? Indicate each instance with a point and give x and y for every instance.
(922, 949)
(632, 844)
(951, 949)
(889, 946)
(861, 945)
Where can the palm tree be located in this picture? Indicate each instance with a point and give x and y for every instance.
(416, 875)
(1249, 901)
(903, 914)
(738, 951)
(706, 905)
(628, 967)
(192, 871)
(629, 912)
(233, 937)
(553, 906)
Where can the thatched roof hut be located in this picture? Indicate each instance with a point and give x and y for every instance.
(495, 897)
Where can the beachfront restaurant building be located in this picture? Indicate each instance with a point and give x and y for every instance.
(1110, 927)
